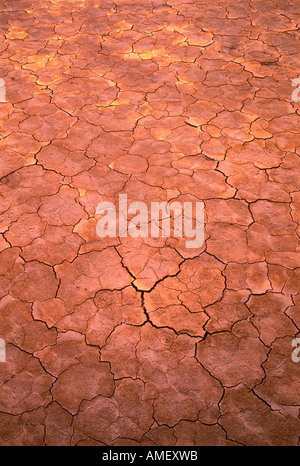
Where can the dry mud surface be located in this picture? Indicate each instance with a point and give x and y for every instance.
(141, 341)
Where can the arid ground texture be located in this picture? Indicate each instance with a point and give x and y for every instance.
(143, 341)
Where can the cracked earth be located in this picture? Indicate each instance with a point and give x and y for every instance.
(140, 341)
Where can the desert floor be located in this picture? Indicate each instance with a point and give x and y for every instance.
(141, 340)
